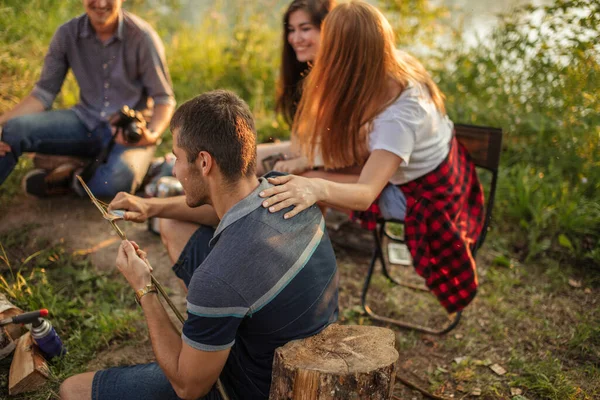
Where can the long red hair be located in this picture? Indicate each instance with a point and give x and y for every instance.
(350, 83)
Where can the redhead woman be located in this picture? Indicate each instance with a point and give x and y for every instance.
(301, 39)
(366, 104)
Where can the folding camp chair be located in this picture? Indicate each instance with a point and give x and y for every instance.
(484, 145)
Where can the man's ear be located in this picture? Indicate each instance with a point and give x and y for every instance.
(204, 162)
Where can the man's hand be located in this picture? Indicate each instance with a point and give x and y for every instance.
(137, 210)
(134, 265)
(148, 137)
(4, 148)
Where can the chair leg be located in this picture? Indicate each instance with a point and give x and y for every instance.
(384, 267)
(378, 254)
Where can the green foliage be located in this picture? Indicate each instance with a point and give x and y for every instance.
(89, 310)
(537, 78)
(417, 24)
(26, 28)
(235, 52)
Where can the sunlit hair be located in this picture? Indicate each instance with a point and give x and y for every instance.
(293, 71)
(350, 84)
(220, 123)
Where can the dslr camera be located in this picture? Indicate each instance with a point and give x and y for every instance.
(130, 123)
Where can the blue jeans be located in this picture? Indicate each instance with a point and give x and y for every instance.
(143, 382)
(62, 133)
(193, 254)
(392, 203)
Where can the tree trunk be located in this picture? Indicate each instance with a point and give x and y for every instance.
(342, 362)
(9, 333)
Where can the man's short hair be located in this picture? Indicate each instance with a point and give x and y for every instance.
(220, 123)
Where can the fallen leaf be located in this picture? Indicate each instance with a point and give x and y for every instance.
(459, 360)
(498, 369)
(476, 392)
(485, 363)
(460, 388)
(574, 283)
(444, 370)
(516, 392)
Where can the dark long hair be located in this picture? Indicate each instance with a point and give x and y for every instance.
(293, 71)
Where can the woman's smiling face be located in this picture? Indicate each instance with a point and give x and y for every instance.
(303, 36)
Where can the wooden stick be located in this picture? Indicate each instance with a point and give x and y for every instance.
(418, 389)
(122, 235)
(164, 294)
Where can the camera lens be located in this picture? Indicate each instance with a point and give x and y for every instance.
(132, 133)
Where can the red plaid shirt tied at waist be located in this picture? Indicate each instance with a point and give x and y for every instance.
(444, 218)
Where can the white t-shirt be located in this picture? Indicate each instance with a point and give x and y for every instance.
(413, 129)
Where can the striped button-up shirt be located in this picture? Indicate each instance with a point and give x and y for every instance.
(126, 69)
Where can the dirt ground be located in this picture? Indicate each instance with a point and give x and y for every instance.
(495, 330)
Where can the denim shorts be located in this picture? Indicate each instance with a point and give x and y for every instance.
(193, 254)
(144, 382)
(392, 203)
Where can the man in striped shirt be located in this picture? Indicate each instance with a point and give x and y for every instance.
(261, 282)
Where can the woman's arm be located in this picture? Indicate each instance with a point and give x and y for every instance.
(333, 189)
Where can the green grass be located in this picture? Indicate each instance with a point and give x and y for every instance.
(89, 310)
(545, 379)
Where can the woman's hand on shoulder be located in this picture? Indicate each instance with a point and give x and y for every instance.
(291, 190)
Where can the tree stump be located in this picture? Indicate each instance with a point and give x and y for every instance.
(9, 333)
(342, 362)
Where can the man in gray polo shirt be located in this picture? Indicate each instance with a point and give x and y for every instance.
(257, 282)
(117, 60)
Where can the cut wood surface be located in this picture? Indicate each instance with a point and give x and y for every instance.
(9, 333)
(342, 362)
(28, 370)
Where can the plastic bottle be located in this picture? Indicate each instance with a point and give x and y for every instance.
(47, 339)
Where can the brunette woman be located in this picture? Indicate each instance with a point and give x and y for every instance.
(301, 39)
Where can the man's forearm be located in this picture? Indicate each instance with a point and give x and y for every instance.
(161, 116)
(177, 208)
(191, 372)
(29, 105)
(166, 341)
